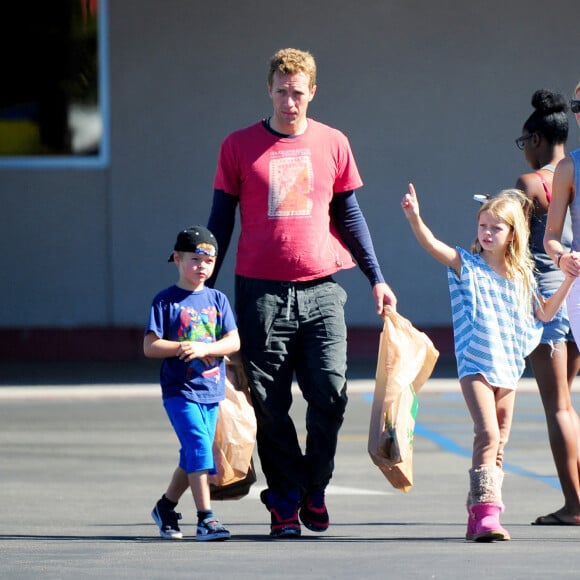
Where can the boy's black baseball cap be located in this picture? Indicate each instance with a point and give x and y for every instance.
(195, 239)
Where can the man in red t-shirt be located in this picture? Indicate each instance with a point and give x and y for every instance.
(294, 179)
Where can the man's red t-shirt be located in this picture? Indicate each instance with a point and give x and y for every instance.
(285, 186)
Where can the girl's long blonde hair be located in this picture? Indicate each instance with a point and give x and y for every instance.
(512, 206)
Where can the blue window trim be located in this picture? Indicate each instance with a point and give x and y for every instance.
(102, 159)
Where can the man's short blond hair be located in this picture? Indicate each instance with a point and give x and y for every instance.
(290, 61)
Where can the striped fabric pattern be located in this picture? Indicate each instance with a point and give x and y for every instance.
(492, 333)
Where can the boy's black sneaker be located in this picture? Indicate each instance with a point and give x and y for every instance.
(167, 521)
(283, 512)
(313, 512)
(211, 529)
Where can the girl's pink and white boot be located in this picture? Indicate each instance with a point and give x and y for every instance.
(487, 527)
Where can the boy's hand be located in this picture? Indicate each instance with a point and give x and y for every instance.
(410, 204)
(189, 350)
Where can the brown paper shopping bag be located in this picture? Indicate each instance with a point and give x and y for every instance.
(405, 361)
(235, 438)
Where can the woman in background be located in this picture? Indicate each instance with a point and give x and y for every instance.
(556, 360)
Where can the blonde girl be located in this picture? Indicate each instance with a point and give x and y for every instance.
(495, 309)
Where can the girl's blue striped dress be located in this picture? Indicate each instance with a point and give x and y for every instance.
(493, 331)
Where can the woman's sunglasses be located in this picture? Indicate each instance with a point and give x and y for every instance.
(575, 105)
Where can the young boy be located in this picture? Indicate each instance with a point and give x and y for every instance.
(191, 328)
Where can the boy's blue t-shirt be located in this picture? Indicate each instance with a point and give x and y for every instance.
(183, 315)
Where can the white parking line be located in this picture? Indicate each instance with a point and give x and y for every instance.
(255, 491)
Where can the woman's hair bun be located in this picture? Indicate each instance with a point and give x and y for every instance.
(547, 102)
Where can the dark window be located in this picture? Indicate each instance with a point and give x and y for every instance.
(51, 96)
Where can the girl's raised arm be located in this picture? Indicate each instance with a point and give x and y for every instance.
(443, 253)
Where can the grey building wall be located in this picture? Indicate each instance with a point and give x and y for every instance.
(433, 92)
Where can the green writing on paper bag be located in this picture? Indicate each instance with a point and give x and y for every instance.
(400, 420)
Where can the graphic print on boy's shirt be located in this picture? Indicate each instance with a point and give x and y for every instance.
(200, 327)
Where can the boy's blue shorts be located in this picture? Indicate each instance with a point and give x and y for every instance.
(194, 424)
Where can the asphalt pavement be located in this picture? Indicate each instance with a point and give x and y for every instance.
(85, 451)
